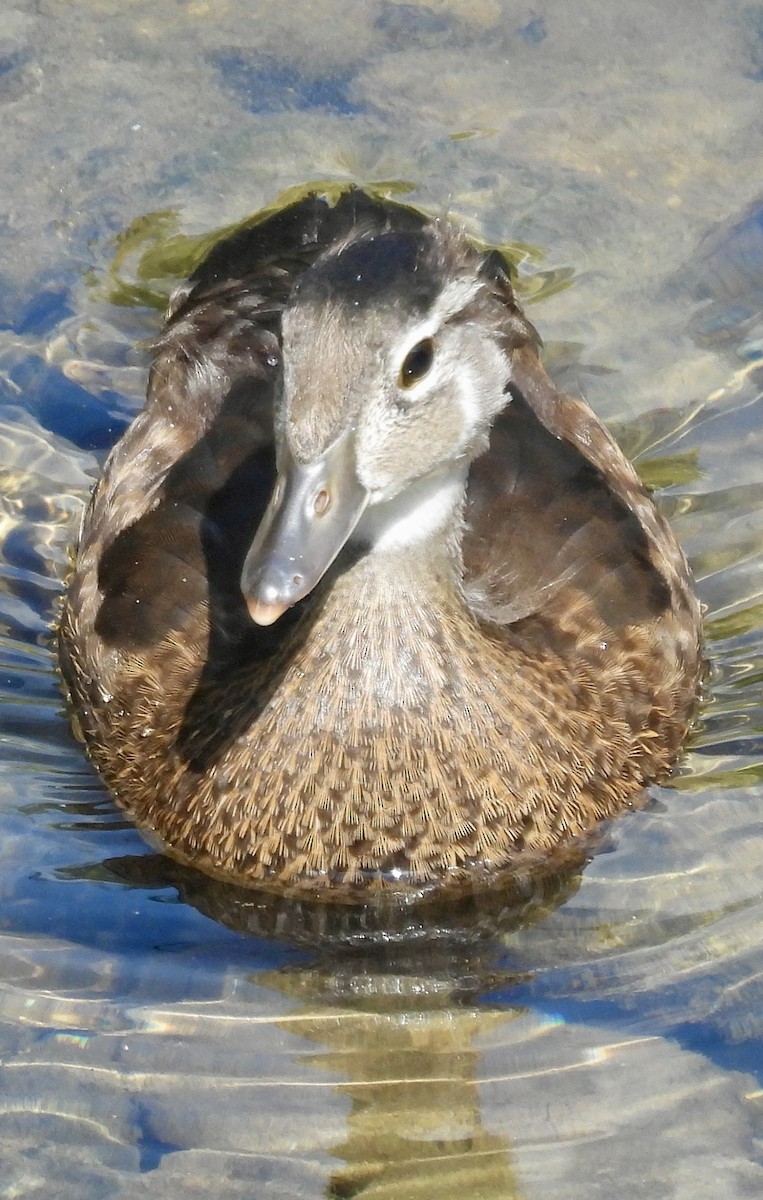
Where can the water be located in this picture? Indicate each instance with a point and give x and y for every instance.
(157, 1035)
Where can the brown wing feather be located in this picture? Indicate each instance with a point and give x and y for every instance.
(554, 508)
(541, 518)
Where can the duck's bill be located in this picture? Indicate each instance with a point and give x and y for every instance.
(313, 510)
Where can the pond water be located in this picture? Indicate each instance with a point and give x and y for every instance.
(162, 1036)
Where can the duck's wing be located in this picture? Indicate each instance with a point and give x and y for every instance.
(155, 592)
(554, 507)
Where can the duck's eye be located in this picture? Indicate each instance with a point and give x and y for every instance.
(416, 363)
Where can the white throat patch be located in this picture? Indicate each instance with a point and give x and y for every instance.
(416, 514)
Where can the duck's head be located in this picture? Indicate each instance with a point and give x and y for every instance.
(396, 359)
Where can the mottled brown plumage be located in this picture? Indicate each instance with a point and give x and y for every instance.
(488, 640)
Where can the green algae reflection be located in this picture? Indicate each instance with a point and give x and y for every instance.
(153, 253)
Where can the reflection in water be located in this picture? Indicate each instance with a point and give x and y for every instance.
(415, 1127)
(396, 1020)
(412, 1079)
(391, 1005)
(466, 922)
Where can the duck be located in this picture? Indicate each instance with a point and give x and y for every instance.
(362, 602)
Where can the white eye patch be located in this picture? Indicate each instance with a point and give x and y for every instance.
(453, 299)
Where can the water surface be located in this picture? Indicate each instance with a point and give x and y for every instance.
(157, 1036)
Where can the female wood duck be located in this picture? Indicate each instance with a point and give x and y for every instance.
(361, 600)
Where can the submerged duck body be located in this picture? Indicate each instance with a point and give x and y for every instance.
(361, 599)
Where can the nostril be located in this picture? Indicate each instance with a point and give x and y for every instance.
(321, 502)
(297, 580)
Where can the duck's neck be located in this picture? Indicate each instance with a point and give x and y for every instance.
(392, 637)
(393, 631)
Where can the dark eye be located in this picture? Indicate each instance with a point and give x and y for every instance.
(417, 362)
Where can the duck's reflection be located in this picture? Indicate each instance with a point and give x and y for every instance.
(389, 1002)
(389, 930)
(404, 1045)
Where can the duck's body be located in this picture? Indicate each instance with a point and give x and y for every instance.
(459, 636)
